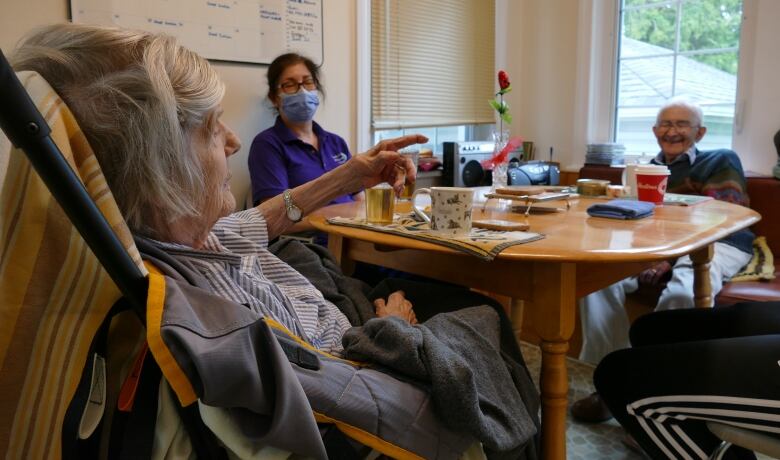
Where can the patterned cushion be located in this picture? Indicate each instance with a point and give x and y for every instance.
(761, 266)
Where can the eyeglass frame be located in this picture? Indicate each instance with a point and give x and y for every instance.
(309, 84)
(678, 125)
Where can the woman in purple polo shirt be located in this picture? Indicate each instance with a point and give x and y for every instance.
(296, 149)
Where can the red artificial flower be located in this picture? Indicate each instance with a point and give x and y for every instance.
(498, 102)
(503, 80)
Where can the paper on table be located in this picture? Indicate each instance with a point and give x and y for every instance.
(482, 243)
(677, 199)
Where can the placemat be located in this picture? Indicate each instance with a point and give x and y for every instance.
(482, 243)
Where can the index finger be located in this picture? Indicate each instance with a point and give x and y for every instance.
(401, 142)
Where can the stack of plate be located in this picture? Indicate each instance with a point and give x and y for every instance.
(605, 154)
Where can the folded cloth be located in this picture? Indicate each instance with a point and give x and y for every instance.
(622, 209)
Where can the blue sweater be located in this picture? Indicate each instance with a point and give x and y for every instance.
(715, 173)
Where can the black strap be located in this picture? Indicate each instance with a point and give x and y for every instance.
(132, 434)
(338, 445)
(72, 446)
(138, 426)
(297, 354)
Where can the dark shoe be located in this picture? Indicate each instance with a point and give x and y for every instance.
(591, 409)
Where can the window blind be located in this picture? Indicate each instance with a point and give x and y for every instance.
(432, 62)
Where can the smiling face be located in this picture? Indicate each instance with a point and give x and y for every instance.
(677, 130)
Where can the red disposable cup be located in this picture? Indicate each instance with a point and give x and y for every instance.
(651, 186)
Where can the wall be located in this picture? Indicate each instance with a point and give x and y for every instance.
(759, 91)
(539, 52)
(245, 107)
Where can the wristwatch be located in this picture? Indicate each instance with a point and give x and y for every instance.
(294, 213)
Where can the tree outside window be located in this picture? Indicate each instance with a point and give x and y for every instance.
(677, 48)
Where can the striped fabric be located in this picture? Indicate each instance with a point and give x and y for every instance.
(663, 418)
(238, 266)
(53, 293)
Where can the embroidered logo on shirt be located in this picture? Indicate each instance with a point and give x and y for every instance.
(340, 157)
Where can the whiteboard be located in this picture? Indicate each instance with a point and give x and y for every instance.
(253, 31)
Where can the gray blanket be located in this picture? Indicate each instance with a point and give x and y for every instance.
(476, 387)
(473, 387)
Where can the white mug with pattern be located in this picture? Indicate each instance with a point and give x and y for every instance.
(450, 209)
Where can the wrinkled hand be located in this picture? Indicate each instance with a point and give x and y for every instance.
(383, 163)
(653, 276)
(396, 305)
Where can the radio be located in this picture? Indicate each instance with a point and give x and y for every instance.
(533, 173)
(463, 163)
(463, 167)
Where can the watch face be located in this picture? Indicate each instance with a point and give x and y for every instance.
(294, 213)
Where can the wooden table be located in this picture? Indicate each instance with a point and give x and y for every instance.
(579, 255)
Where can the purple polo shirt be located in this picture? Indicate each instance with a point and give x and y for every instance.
(278, 160)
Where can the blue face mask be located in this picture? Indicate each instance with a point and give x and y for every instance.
(301, 106)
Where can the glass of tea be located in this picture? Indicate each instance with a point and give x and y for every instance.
(380, 204)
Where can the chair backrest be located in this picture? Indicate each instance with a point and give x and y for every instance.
(757, 441)
(54, 294)
(763, 193)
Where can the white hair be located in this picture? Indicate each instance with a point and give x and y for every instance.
(140, 98)
(685, 103)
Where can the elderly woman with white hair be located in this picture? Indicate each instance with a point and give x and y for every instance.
(152, 112)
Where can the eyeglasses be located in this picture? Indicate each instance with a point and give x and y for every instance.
(292, 87)
(680, 125)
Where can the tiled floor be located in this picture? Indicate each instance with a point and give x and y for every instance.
(600, 441)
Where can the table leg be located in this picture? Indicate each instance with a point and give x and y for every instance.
(552, 313)
(337, 245)
(702, 286)
(554, 384)
(516, 316)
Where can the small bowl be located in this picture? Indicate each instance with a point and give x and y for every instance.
(592, 187)
(617, 191)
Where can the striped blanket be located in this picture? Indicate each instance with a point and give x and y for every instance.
(53, 292)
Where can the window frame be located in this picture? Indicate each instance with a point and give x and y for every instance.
(673, 54)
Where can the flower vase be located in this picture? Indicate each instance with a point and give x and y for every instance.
(500, 139)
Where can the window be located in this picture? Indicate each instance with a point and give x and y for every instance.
(432, 68)
(676, 48)
(438, 134)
